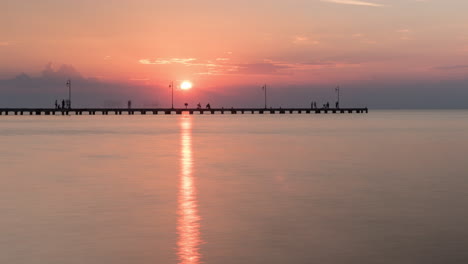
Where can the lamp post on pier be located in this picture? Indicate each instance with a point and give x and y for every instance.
(171, 85)
(264, 88)
(337, 89)
(69, 93)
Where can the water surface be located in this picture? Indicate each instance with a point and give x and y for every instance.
(383, 187)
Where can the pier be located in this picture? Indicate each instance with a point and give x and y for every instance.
(177, 111)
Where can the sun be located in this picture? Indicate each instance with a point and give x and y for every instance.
(186, 85)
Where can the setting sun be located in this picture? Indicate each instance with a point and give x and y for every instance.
(186, 85)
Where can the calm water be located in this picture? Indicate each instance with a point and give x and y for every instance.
(387, 187)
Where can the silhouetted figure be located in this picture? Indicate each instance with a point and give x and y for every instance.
(129, 104)
(56, 104)
(337, 105)
(198, 106)
(186, 105)
(63, 104)
(328, 105)
(208, 106)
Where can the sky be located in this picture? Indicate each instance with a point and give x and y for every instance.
(382, 53)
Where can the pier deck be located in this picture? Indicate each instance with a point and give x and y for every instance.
(177, 111)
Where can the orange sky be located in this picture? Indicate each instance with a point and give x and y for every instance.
(220, 43)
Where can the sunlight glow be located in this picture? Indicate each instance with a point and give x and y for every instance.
(186, 85)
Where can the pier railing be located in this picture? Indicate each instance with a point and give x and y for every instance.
(177, 111)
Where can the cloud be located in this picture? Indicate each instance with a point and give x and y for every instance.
(224, 66)
(180, 61)
(42, 91)
(67, 71)
(4, 43)
(404, 30)
(264, 68)
(187, 61)
(303, 40)
(353, 2)
(452, 67)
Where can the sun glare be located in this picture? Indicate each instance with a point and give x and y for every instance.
(186, 85)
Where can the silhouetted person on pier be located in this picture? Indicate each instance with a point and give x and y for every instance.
(337, 105)
(208, 106)
(198, 106)
(56, 104)
(129, 103)
(328, 105)
(186, 105)
(63, 104)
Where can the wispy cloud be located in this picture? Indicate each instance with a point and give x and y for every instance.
(168, 61)
(452, 67)
(303, 40)
(353, 2)
(224, 66)
(404, 31)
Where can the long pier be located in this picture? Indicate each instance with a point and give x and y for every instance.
(177, 111)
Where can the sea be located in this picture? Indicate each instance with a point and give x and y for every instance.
(384, 187)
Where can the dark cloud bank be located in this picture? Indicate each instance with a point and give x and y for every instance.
(42, 91)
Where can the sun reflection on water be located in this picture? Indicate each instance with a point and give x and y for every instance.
(188, 222)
